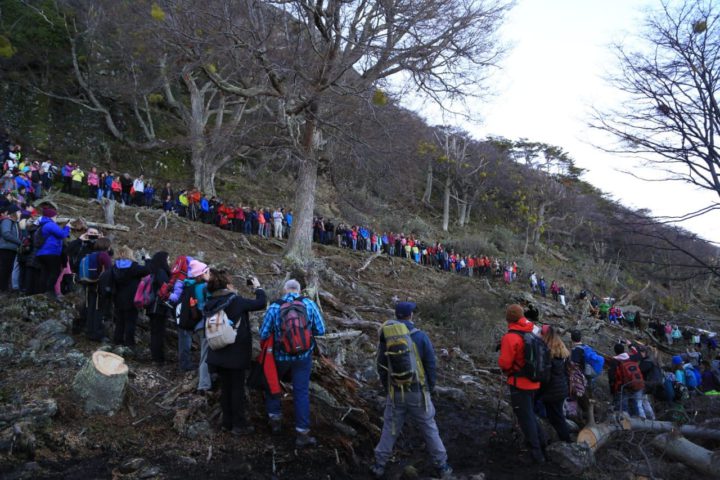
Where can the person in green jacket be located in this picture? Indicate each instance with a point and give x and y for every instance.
(604, 308)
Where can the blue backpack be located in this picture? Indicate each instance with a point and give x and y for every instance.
(597, 362)
(692, 377)
(88, 270)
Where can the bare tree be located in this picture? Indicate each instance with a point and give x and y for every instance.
(671, 80)
(315, 51)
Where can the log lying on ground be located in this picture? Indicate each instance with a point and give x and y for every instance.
(692, 455)
(596, 436)
(640, 425)
(101, 383)
(103, 226)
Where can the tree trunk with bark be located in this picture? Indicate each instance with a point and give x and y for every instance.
(695, 456)
(446, 204)
(428, 183)
(101, 382)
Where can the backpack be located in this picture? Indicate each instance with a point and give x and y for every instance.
(115, 186)
(676, 334)
(538, 364)
(692, 377)
(38, 238)
(218, 331)
(594, 363)
(403, 360)
(187, 313)
(144, 295)
(88, 269)
(628, 374)
(177, 273)
(295, 334)
(577, 383)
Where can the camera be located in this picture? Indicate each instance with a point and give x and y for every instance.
(249, 281)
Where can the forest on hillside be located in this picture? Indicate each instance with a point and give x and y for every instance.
(201, 92)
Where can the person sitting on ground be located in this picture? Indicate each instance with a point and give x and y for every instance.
(232, 361)
(407, 393)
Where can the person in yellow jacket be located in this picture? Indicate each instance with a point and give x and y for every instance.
(77, 180)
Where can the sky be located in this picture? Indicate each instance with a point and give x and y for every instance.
(554, 74)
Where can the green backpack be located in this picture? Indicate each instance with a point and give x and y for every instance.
(403, 361)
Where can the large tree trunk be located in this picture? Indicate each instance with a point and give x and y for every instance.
(539, 224)
(640, 425)
(428, 183)
(466, 221)
(695, 456)
(446, 204)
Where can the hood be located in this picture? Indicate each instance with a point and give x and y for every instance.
(622, 357)
(122, 271)
(217, 302)
(523, 325)
(44, 220)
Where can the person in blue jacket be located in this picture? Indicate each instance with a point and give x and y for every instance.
(50, 252)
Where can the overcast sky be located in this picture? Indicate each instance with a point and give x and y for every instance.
(550, 80)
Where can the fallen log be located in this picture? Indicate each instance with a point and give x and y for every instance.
(354, 323)
(692, 455)
(596, 436)
(101, 383)
(640, 425)
(103, 226)
(368, 262)
(340, 335)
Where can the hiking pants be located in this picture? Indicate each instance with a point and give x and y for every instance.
(7, 263)
(556, 417)
(184, 346)
(157, 337)
(232, 397)
(300, 372)
(50, 270)
(639, 405)
(125, 323)
(204, 379)
(410, 405)
(523, 403)
(278, 230)
(93, 316)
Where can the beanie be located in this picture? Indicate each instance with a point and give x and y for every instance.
(49, 212)
(514, 313)
(677, 360)
(197, 268)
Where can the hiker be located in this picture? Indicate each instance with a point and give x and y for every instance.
(626, 381)
(293, 309)
(543, 287)
(232, 361)
(554, 393)
(9, 243)
(158, 311)
(590, 364)
(533, 282)
(167, 196)
(676, 334)
(126, 275)
(138, 189)
(77, 176)
(48, 241)
(406, 366)
(555, 290)
(708, 380)
(278, 223)
(192, 300)
(653, 379)
(90, 272)
(522, 389)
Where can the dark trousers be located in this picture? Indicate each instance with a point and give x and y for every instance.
(523, 402)
(7, 261)
(556, 416)
(50, 270)
(158, 323)
(94, 328)
(232, 397)
(125, 322)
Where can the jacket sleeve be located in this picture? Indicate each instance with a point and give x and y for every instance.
(53, 229)
(381, 362)
(268, 324)
(506, 360)
(7, 234)
(427, 356)
(141, 271)
(177, 291)
(253, 305)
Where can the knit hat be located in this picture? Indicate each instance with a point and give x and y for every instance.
(197, 268)
(514, 313)
(677, 360)
(49, 212)
(404, 309)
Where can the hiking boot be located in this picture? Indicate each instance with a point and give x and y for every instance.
(276, 426)
(242, 431)
(305, 440)
(445, 472)
(377, 470)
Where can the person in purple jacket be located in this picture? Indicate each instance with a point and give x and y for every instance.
(50, 250)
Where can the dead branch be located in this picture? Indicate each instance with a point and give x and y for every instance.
(162, 218)
(368, 262)
(137, 219)
(104, 226)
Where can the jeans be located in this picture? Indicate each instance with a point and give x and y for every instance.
(410, 405)
(300, 372)
(232, 397)
(278, 230)
(621, 401)
(204, 379)
(125, 322)
(523, 405)
(184, 346)
(556, 417)
(639, 405)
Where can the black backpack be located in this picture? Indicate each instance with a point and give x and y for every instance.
(187, 315)
(538, 364)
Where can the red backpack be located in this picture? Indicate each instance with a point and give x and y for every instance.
(178, 272)
(628, 373)
(295, 334)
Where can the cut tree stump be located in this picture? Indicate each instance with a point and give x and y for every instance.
(101, 383)
(692, 455)
(595, 436)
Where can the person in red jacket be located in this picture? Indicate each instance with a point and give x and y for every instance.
(522, 389)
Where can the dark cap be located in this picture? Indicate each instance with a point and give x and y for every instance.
(404, 309)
